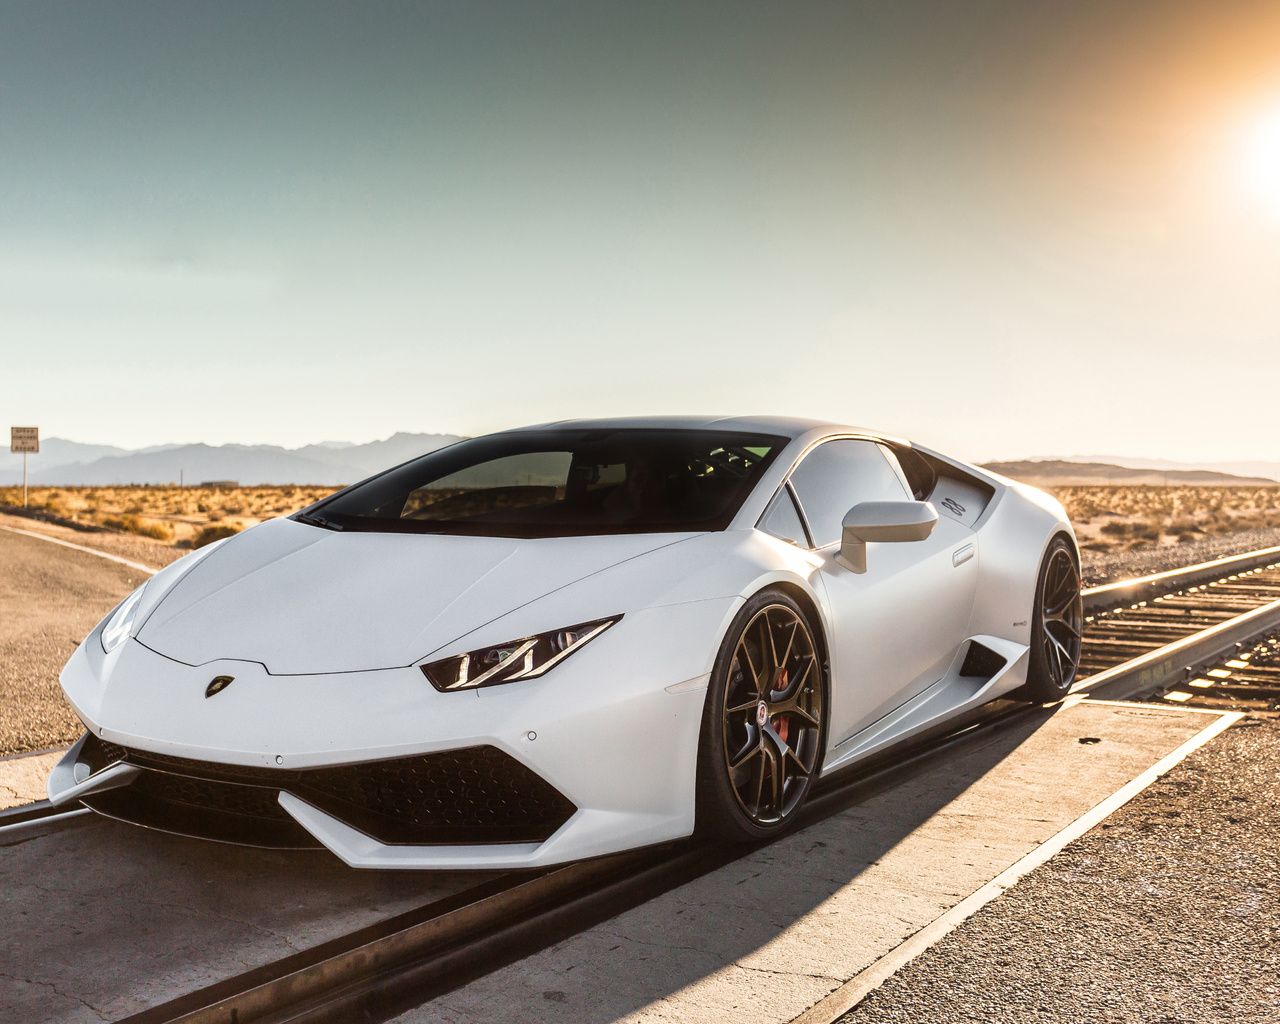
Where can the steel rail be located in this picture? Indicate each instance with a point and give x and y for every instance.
(1181, 659)
(1144, 588)
(40, 810)
(1200, 613)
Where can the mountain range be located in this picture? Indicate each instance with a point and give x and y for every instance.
(1255, 468)
(1060, 473)
(70, 463)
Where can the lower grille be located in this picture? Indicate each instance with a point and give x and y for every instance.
(473, 795)
(190, 805)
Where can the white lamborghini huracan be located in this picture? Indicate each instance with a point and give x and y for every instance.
(571, 639)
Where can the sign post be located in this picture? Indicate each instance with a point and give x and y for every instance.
(27, 441)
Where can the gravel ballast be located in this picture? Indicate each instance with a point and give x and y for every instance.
(1106, 567)
(50, 598)
(1169, 911)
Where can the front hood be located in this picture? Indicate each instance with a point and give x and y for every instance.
(302, 600)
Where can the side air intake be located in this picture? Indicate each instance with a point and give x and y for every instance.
(981, 662)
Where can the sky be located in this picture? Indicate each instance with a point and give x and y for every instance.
(997, 228)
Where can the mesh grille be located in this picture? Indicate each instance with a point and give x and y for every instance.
(189, 805)
(471, 795)
(476, 794)
(247, 801)
(98, 753)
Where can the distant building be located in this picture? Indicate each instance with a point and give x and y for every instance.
(221, 485)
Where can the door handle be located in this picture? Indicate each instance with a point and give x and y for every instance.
(962, 555)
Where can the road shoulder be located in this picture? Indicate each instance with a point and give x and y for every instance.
(1168, 911)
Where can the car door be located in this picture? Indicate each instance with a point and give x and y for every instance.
(895, 628)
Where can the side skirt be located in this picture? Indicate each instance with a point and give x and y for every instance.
(953, 694)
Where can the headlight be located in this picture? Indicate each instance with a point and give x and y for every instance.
(120, 625)
(520, 659)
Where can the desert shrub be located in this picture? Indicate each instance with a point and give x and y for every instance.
(1115, 529)
(1146, 531)
(142, 527)
(211, 533)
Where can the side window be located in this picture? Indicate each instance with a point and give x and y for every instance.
(921, 476)
(781, 520)
(838, 475)
(896, 464)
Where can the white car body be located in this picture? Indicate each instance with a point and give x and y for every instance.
(324, 634)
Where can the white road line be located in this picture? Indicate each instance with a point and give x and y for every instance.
(79, 547)
(852, 992)
(35, 753)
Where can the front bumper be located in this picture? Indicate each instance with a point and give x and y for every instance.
(472, 796)
(597, 756)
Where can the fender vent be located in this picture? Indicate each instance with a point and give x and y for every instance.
(981, 662)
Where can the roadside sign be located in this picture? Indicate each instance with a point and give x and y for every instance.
(25, 440)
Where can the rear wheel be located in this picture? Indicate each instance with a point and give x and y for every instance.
(1057, 624)
(764, 725)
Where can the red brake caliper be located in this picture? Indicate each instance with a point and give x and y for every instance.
(781, 724)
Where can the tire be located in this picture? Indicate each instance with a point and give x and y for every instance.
(1057, 622)
(762, 745)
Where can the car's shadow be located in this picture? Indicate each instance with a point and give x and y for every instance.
(121, 918)
(724, 927)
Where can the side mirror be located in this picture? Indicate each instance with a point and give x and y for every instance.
(882, 521)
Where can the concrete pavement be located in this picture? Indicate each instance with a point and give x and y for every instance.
(22, 777)
(765, 938)
(103, 919)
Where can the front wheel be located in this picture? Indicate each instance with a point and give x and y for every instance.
(764, 724)
(1057, 625)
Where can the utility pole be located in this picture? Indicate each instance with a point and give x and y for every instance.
(24, 439)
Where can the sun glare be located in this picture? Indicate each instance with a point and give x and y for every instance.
(1261, 163)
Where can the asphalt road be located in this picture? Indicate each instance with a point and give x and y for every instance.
(50, 597)
(1168, 911)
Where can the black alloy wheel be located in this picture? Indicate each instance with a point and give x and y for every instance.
(1057, 624)
(764, 722)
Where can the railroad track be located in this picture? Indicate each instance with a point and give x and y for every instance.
(1198, 631)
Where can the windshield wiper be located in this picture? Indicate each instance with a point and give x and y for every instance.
(311, 517)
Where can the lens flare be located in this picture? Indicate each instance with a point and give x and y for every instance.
(1261, 163)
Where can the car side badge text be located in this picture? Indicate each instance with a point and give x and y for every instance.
(218, 684)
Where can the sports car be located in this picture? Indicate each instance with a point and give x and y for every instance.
(571, 639)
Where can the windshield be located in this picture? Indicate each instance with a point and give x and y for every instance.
(561, 482)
